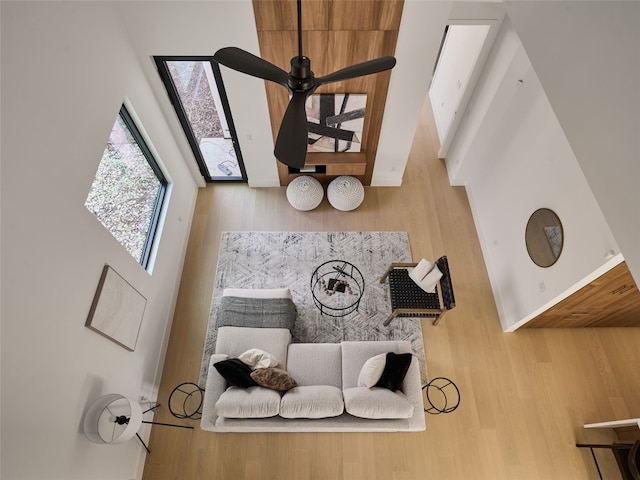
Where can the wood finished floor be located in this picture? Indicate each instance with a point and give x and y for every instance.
(525, 395)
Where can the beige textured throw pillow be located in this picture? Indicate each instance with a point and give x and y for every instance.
(273, 378)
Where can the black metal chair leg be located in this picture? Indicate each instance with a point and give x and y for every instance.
(593, 455)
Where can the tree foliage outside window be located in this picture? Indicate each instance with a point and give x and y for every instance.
(128, 190)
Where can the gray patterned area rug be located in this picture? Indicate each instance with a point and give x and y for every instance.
(288, 259)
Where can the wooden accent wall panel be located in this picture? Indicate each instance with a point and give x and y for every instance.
(612, 300)
(627, 434)
(336, 34)
(365, 14)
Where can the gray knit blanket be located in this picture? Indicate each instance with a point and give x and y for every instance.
(257, 312)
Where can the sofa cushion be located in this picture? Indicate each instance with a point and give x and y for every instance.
(236, 340)
(395, 369)
(312, 401)
(252, 402)
(235, 372)
(376, 403)
(273, 378)
(372, 370)
(256, 358)
(315, 363)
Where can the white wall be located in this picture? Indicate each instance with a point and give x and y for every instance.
(66, 69)
(588, 62)
(458, 59)
(201, 28)
(419, 38)
(514, 158)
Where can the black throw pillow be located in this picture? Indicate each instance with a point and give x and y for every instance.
(235, 372)
(394, 371)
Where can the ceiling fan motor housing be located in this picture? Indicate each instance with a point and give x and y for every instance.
(301, 77)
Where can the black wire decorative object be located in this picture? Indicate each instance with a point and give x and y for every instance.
(439, 399)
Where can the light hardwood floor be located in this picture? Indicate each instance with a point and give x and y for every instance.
(525, 395)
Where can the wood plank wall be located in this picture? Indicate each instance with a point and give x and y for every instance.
(611, 300)
(336, 34)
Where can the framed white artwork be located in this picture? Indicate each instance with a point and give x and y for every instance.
(117, 310)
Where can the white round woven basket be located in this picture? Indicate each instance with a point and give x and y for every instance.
(305, 193)
(345, 193)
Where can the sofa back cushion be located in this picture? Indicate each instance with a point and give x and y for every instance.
(355, 354)
(234, 341)
(315, 364)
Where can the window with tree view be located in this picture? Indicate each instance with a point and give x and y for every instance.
(129, 188)
(197, 93)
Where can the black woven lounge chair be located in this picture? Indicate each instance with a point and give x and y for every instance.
(409, 300)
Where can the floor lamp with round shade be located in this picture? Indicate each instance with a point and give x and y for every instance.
(114, 418)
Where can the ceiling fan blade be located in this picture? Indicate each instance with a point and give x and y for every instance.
(291, 144)
(360, 69)
(245, 62)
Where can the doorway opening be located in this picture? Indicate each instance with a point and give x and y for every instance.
(463, 51)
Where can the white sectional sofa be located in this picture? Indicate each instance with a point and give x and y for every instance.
(326, 397)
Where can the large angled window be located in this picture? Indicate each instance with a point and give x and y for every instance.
(195, 87)
(129, 189)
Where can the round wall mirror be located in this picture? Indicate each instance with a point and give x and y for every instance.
(544, 237)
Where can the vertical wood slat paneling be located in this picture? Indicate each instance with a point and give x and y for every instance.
(335, 15)
(336, 34)
(281, 15)
(365, 15)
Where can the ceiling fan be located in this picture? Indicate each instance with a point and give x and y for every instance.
(291, 143)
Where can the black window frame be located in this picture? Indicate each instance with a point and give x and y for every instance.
(171, 90)
(152, 232)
